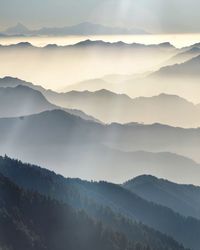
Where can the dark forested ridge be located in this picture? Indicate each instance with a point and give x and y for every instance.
(114, 206)
(31, 221)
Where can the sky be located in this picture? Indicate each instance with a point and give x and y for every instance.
(155, 16)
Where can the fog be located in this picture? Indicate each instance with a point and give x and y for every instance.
(56, 67)
(178, 40)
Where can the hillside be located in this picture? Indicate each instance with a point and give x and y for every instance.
(101, 200)
(182, 198)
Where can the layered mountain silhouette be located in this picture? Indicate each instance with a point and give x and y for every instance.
(141, 124)
(120, 108)
(85, 28)
(181, 198)
(108, 203)
(137, 59)
(18, 29)
(179, 79)
(184, 56)
(99, 43)
(21, 100)
(32, 221)
(123, 109)
(188, 69)
(161, 47)
(70, 145)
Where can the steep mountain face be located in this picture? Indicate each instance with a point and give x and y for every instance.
(92, 149)
(21, 101)
(109, 203)
(184, 56)
(31, 221)
(190, 68)
(181, 198)
(20, 98)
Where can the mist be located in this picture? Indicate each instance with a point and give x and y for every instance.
(57, 67)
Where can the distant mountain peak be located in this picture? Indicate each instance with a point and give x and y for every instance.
(166, 45)
(51, 46)
(169, 96)
(142, 179)
(84, 28)
(20, 25)
(9, 78)
(104, 91)
(108, 92)
(23, 44)
(162, 96)
(90, 42)
(18, 29)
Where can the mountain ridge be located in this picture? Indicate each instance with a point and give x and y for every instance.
(68, 135)
(84, 28)
(21, 100)
(179, 197)
(72, 194)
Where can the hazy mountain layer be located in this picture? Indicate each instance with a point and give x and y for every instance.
(184, 56)
(76, 147)
(188, 69)
(120, 108)
(103, 59)
(184, 199)
(21, 100)
(91, 59)
(85, 28)
(110, 107)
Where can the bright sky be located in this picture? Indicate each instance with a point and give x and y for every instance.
(160, 16)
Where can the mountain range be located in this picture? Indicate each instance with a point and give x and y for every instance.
(188, 69)
(120, 108)
(166, 46)
(85, 28)
(119, 153)
(92, 149)
(171, 79)
(112, 205)
(30, 220)
(22, 100)
(164, 108)
(83, 55)
(184, 56)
